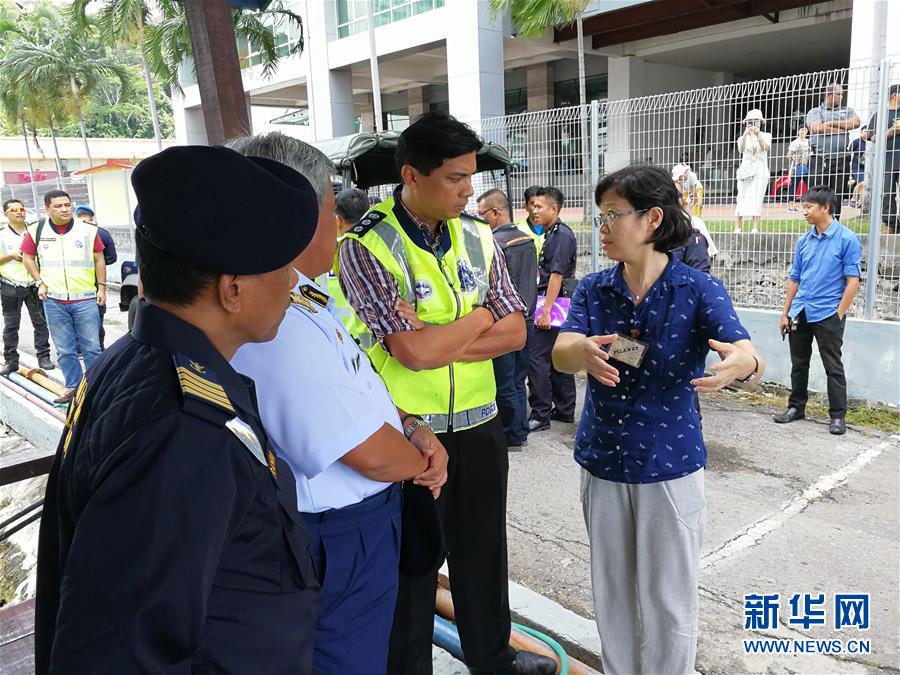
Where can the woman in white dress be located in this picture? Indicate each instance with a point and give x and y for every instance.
(753, 172)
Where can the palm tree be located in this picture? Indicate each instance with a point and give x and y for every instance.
(15, 112)
(67, 62)
(123, 22)
(169, 44)
(533, 18)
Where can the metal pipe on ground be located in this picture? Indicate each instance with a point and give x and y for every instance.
(28, 396)
(45, 395)
(446, 637)
(39, 377)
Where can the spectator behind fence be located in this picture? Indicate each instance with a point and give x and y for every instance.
(691, 188)
(890, 209)
(65, 257)
(16, 289)
(510, 370)
(856, 181)
(350, 205)
(829, 123)
(753, 172)
(821, 285)
(798, 155)
(639, 441)
(86, 213)
(552, 393)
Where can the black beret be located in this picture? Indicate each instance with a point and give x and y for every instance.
(186, 197)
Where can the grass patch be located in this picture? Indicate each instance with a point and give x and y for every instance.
(859, 413)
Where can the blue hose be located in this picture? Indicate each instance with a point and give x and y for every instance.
(446, 637)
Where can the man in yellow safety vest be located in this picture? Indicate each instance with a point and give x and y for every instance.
(420, 247)
(65, 258)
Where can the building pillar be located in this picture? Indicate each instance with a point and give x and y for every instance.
(622, 74)
(475, 63)
(417, 103)
(190, 128)
(870, 43)
(330, 91)
(538, 147)
(367, 115)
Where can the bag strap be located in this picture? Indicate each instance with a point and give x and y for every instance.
(37, 241)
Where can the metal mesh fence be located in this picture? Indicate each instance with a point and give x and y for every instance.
(745, 153)
(76, 187)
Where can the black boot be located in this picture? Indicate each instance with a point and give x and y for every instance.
(10, 367)
(44, 363)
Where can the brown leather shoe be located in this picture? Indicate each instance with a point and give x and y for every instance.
(65, 398)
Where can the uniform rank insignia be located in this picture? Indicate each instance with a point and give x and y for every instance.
(245, 435)
(301, 301)
(314, 294)
(272, 468)
(200, 383)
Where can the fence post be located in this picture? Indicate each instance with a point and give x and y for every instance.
(877, 190)
(595, 178)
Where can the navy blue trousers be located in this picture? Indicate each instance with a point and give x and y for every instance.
(356, 553)
(510, 371)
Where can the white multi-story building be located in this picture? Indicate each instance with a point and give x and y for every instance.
(455, 56)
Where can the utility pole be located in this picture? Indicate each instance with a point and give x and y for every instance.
(218, 69)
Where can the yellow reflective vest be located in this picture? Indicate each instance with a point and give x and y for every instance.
(461, 395)
(13, 271)
(67, 261)
(538, 239)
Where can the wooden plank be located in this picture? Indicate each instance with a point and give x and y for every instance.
(26, 464)
(17, 639)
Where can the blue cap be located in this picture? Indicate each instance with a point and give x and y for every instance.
(84, 207)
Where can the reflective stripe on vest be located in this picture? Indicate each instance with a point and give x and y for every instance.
(67, 261)
(461, 395)
(13, 271)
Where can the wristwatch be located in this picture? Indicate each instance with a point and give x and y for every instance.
(408, 431)
(752, 376)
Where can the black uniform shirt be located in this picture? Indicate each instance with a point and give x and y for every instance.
(558, 255)
(167, 544)
(518, 249)
(694, 253)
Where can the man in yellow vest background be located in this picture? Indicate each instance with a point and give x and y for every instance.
(419, 247)
(65, 257)
(16, 289)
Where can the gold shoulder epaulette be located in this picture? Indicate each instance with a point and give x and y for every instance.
(315, 295)
(200, 383)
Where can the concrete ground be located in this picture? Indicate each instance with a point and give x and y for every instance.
(791, 509)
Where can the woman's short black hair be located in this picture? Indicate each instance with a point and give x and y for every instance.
(644, 187)
(821, 195)
(431, 139)
(166, 279)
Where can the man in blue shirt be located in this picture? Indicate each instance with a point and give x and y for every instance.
(821, 285)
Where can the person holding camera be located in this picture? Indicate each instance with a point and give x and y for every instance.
(822, 283)
(753, 172)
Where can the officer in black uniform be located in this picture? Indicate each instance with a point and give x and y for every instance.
(170, 540)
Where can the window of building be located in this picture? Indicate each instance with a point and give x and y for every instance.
(351, 14)
(565, 92)
(439, 107)
(397, 120)
(516, 101)
(286, 36)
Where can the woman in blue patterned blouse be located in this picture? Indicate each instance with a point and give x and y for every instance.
(642, 330)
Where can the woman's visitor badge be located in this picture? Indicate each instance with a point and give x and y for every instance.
(628, 350)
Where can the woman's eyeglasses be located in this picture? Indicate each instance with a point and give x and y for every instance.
(610, 217)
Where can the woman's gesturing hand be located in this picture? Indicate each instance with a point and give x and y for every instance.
(596, 360)
(736, 364)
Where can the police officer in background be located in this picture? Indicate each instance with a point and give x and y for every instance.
(511, 369)
(344, 439)
(16, 289)
(86, 213)
(552, 393)
(170, 539)
(417, 245)
(528, 226)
